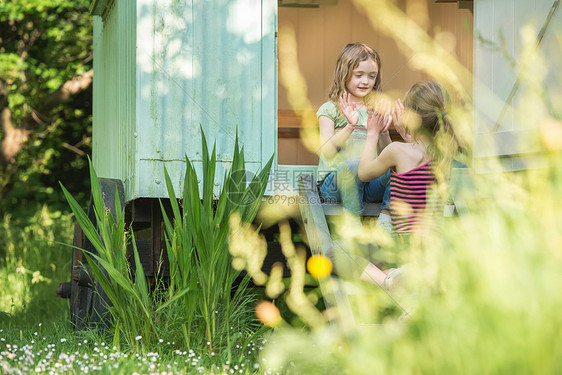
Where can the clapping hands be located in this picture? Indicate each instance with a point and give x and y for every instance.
(349, 109)
(397, 118)
(380, 117)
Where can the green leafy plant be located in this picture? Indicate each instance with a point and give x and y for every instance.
(46, 136)
(130, 304)
(197, 246)
(204, 290)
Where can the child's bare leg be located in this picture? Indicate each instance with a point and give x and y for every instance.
(373, 274)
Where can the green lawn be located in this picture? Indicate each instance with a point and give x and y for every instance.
(35, 333)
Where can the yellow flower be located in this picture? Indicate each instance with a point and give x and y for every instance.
(319, 266)
(268, 313)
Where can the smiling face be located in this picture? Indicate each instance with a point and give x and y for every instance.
(362, 79)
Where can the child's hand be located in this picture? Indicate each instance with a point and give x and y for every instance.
(349, 109)
(377, 120)
(397, 119)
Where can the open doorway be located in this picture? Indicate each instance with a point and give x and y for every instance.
(324, 27)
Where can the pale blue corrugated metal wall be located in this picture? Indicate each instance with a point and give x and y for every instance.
(196, 62)
(114, 93)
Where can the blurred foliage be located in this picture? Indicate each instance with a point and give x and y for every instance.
(482, 294)
(43, 44)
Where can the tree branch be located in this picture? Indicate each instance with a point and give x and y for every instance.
(14, 137)
(69, 88)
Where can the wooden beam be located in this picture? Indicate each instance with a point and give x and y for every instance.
(466, 4)
(463, 4)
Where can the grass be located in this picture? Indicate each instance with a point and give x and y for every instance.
(35, 332)
(52, 348)
(483, 294)
(487, 301)
(204, 296)
(201, 274)
(32, 263)
(212, 331)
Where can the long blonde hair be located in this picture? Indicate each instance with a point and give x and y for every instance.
(431, 102)
(349, 59)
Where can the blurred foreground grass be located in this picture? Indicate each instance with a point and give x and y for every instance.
(483, 294)
(485, 297)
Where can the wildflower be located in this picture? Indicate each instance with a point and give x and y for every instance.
(268, 313)
(138, 338)
(319, 266)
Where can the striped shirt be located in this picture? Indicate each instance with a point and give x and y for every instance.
(412, 206)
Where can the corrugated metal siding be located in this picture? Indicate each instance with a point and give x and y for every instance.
(114, 94)
(200, 63)
(165, 67)
(498, 130)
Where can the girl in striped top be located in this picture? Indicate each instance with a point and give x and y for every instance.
(413, 206)
(418, 168)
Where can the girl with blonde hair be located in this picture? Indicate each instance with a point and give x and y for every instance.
(343, 131)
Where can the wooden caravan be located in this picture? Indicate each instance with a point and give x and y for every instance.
(165, 68)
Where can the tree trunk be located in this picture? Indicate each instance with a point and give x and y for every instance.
(13, 140)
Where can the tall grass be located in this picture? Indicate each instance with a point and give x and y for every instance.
(483, 294)
(130, 304)
(32, 262)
